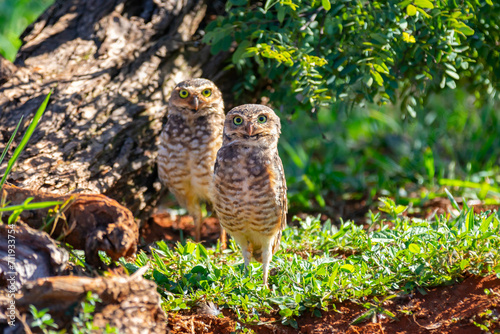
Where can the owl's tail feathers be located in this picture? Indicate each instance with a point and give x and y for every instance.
(257, 255)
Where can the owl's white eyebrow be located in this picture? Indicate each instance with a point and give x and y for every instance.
(194, 87)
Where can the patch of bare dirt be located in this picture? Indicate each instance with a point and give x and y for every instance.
(163, 227)
(442, 206)
(446, 310)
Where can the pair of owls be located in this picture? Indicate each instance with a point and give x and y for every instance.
(231, 161)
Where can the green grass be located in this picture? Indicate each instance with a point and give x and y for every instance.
(24, 141)
(26, 205)
(319, 265)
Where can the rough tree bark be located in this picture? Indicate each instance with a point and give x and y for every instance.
(7, 70)
(112, 64)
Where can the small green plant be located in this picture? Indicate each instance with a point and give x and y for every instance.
(487, 321)
(24, 140)
(43, 320)
(82, 322)
(18, 209)
(375, 308)
(239, 329)
(390, 207)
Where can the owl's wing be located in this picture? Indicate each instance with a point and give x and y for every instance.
(216, 164)
(281, 198)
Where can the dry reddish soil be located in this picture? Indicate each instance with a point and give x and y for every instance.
(448, 309)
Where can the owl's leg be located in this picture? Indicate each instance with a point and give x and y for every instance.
(267, 255)
(197, 226)
(223, 238)
(247, 255)
(194, 209)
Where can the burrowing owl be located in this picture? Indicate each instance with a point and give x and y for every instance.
(249, 182)
(189, 144)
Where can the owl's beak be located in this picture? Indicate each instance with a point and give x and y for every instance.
(196, 103)
(250, 128)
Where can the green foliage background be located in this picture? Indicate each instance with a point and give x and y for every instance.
(376, 97)
(314, 53)
(15, 16)
(379, 97)
(371, 150)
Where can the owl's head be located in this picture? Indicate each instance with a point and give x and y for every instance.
(252, 124)
(196, 97)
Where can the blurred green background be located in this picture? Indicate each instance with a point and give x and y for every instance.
(364, 152)
(373, 151)
(15, 16)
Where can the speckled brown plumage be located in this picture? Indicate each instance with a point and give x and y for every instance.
(249, 182)
(189, 144)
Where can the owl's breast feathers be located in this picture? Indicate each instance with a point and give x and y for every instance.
(250, 189)
(187, 152)
(178, 128)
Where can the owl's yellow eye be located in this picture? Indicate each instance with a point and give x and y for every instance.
(262, 119)
(206, 92)
(237, 120)
(183, 93)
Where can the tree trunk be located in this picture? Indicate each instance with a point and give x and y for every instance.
(7, 70)
(112, 65)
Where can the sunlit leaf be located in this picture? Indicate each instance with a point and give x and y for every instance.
(452, 74)
(424, 4)
(411, 10)
(347, 267)
(464, 29)
(414, 248)
(326, 4)
(377, 77)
